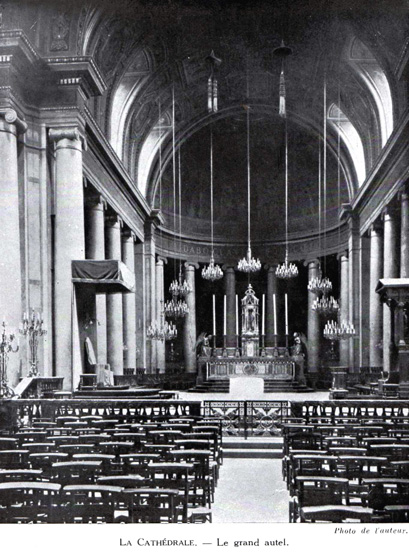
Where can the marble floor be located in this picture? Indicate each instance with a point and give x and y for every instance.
(250, 491)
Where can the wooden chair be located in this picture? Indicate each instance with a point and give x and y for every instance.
(90, 503)
(14, 459)
(77, 472)
(336, 514)
(29, 502)
(318, 491)
(152, 505)
(21, 475)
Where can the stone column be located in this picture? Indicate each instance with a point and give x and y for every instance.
(128, 303)
(390, 270)
(115, 338)
(314, 337)
(189, 326)
(404, 233)
(230, 291)
(160, 297)
(95, 249)
(10, 257)
(271, 290)
(375, 305)
(140, 299)
(69, 246)
(344, 307)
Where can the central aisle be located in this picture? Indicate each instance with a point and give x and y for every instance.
(250, 490)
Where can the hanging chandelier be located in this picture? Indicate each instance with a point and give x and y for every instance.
(179, 286)
(319, 284)
(325, 305)
(286, 270)
(212, 272)
(337, 332)
(248, 263)
(176, 308)
(162, 330)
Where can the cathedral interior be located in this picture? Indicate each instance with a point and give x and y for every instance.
(204, 204)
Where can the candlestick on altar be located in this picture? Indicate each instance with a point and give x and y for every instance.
(263, 316)
(275, 316)
(237, 315)
(224, 316)
(214, 325)
(286, 314)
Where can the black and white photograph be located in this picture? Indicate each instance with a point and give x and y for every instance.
(204, 273)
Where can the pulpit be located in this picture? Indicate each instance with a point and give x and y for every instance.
(394, 292)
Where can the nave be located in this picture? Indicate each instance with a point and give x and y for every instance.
(204, 256)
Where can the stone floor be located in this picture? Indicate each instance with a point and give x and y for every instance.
(250, 491)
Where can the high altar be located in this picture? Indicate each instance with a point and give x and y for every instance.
(250, 357)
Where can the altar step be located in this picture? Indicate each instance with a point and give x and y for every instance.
(277, 386)
(253, 447)
(212, 386)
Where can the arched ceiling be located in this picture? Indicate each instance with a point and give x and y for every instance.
(148, 49)
(267, 154)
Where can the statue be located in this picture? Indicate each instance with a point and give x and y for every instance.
(298, 353)
(203, 341)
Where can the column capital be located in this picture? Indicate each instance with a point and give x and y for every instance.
(343, 255)
(191, 265)
(72, 133)
(375, 228)
(11, 117)
(388, 212)
(270, 267)
(162, 260)
(312, 263)
(114, 219)
(403, 193)
(128, 234)
(228, 268)
(96, 201)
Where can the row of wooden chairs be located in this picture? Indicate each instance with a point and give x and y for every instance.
(181, 456)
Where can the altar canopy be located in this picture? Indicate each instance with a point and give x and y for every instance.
(111, 276)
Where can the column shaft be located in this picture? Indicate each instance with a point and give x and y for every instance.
(160, 294)
(69, 246)
(404, 235)
(375, 305)
(95, 249)
(150, 289)
(390, 270)
(314, 337)
(128, 305)
(230, 290)
(115, 343)
(140, 279)
(10, 257)
(189, 327)
(344, 308)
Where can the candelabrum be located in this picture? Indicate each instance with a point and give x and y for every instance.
(338, 332)
(164, 331)
(179, 287)
(8, 344)
(325, 305)
(176, 308)
(32, 327)
(318, 284)
(249, 264)
(286, 270)
(212, 272)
